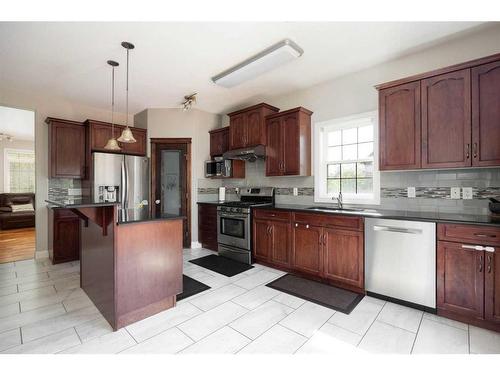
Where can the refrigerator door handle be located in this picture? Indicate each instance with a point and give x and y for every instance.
(124, 192)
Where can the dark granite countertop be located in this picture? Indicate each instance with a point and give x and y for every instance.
(79, 202)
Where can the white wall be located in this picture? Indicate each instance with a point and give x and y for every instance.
(44, 106)
(176, 123)
(20, 145)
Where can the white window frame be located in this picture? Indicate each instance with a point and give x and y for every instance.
(319, 149)
(6, 174)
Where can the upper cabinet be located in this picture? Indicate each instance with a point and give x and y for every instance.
(247, 126)
(67, 143)
(100, 132)
(288, 151)
(219, 141)
(448, 118)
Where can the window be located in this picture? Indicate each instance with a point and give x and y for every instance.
(19, 171)
(346, 159)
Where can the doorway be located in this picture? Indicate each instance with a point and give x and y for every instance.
(171, 180)
(17, 184)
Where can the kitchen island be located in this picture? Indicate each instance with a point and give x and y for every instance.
(130, 260)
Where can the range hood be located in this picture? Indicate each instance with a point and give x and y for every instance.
(248, 154)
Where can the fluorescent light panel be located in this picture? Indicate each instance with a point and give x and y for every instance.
(269, 59)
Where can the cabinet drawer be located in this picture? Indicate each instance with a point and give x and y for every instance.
(473, 234)
(272, 214)
(352, 222)
(64, 213)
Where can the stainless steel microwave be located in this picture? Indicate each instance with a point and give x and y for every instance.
(218, 168)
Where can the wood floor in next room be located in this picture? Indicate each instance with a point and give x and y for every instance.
(43, 310)
(17, 244)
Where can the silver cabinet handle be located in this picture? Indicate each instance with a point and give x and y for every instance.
(479, 248)
(296, 225)
(157, 201)
(380, 228)
(489, 249)
(307, 226)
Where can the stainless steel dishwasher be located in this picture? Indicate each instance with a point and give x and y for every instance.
(400, 260)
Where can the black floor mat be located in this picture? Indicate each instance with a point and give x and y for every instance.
(191, 287)
(322, 294)
(224, 266)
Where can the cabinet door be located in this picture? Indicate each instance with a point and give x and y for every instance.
(460, 279)
(237, 131)
(291, 144)
(446, 120)
(255, 128)
(207, 225)
(67, 147)
(261, 242)
(280, 242)
(274, 148)
(100, 134)
(307, 254)
(492, 287)
(343, 256)
(486, 115)
(66, 246)
(136, 148)
(400, 130)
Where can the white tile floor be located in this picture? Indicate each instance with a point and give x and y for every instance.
(42, 310)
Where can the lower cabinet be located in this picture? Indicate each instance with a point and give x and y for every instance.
(272, 241)
(64, 236)
(307, 249)
(207, 225)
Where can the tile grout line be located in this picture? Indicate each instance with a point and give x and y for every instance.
(416, 335)
(374, 320)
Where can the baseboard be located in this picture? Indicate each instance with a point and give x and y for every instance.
(41, 254)
(195, 245)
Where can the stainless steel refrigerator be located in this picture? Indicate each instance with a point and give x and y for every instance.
(129, 175)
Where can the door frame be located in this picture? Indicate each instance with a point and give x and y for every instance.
(169, 141)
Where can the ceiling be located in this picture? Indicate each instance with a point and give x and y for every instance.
(174, 59)
(18, 123)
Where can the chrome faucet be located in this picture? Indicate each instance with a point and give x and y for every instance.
(339, 200)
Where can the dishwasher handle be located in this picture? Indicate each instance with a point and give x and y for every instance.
(383, 228)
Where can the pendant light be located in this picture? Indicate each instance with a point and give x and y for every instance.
(127, 136)
(112, 144)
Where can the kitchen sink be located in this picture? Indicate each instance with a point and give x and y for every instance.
(336, 209)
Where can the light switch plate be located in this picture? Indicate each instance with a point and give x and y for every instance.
(467, 193)
(455, 193)
(295, 191)
(411, 192)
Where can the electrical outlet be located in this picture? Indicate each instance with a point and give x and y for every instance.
(467, 193)
(455, 193)
(412, 192)
(295, 191)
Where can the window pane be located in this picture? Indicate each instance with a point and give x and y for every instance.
(365, 150)
(348, 186)
(334, 138)
(349, 152)
(365, 169)
(333, 171)
(348, 170)
(349, 136)
(365, 186)
(334, 153)
(365, 133)
(333, 186)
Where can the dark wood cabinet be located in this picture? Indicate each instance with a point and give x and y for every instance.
(272, 241)
(261, 241)
(100, 133)
(207, 225)
(247, 126)
(288, 151)
(492, 287)
(446, 120)
(67, 148)
(219, 141)
(400, 128)
(307, 249)
(486, 115)
(64, 236)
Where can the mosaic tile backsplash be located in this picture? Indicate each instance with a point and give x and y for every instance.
(59, 188)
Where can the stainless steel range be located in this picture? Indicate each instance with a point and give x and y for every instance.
(234, 223)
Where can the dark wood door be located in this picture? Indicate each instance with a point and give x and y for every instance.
(446, 120)
(274, 148)
(261, 242)
(219, 141)
(171, 166)
(66, 242)
(291, 144)
(237, 131)
(137, 148)
(100, 134)
(492, 287)
(255, 128)
(344, 256)
(460, 279)
(307, 253)
(280, 242)
(67, 149)
(207, 225)
(400, 128)
(486, 115)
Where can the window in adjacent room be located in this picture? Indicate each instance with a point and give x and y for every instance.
(19, 171)
(346, 159)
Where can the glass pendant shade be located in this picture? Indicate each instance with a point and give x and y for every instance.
(112, 145)
(127, 136)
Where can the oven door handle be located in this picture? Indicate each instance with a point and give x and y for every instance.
(230, 216)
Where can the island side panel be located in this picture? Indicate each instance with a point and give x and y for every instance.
(148, 268)
(97, 262)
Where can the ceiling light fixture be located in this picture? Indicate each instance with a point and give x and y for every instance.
(127, 136)
(188, 102)
(112, 144)
(269, 59)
